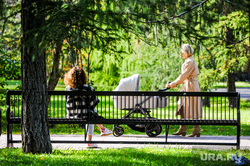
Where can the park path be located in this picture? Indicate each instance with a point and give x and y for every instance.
(245, 141)
(244, 92)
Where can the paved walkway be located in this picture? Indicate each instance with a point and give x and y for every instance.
(244, 92)
(245, 141)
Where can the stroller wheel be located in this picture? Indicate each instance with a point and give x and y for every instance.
(153, 130)
(118, 131)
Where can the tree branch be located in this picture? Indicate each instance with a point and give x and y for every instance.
(239, 5)
(13, 14)
(158, 21)
(6, 19)
(179, 15)
(237, 41)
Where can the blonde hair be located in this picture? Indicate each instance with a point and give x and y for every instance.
(75, 77)
(187, 49)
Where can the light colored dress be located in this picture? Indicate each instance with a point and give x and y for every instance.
(189, 107)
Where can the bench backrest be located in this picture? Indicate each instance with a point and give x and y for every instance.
(114, 106)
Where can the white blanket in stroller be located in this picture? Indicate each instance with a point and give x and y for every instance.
(129, 84)
(129, 102)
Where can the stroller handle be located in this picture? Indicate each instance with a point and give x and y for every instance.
(160, 90)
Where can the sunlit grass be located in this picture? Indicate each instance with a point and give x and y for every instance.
(123, 157)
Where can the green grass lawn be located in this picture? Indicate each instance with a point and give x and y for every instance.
(123, 157)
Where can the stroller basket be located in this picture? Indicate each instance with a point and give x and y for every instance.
(129, 102)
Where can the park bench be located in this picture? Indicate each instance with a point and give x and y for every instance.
(128, 108)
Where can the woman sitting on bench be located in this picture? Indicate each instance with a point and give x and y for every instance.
(76, 106)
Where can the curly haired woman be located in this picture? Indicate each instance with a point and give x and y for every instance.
(76, 106)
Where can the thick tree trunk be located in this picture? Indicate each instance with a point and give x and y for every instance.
(34, 122)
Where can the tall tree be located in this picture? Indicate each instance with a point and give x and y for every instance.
(34, 121)
(44, 23)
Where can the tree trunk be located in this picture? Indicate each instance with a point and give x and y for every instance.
(34, 122)
(231, 82)
(55, 73)
(231, 88)
(230, 77)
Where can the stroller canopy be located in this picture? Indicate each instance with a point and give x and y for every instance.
(129, 84)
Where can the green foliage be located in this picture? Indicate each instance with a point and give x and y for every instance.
(203, 28)
(108, 29)
(236, 20)
(225, 55)
(207, 77)
(156, 66)
(10, 65)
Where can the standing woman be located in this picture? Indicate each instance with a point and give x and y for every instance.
(188, 107)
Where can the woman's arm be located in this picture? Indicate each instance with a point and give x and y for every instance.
(93, 99)
(188, 68)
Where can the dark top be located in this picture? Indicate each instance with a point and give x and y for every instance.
(81, 106)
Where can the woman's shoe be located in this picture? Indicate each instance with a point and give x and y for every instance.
(196, 132)
(92, 146)
(106, 132)
(182, 130)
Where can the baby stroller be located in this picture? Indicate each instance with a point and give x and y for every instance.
(137, 104)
